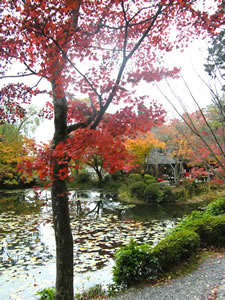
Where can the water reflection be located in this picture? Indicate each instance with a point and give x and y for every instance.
(100, 224)
(19, 201)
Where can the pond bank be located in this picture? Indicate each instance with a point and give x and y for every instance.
(196, 199)
(207, 282)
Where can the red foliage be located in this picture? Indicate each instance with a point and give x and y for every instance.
(52, 38)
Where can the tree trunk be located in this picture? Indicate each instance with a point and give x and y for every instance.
(99, 174)
(61, 216)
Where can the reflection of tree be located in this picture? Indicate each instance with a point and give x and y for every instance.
(80, 211)
(19, 202)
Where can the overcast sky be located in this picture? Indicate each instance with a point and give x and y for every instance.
(191, 62)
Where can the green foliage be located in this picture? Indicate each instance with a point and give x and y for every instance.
(167, 194)
(195, 214)
(191, 188)
(9, 132)
(152, 193)
(176, 247)
(209, 224)
(217, 207)
(217, 225)
(148, 189)
(216, 57)
(149, 177)
(134, 177)
(211, 230)
(133, 263)
(46, 294)
(95, 292)
(137, 189)
(150, 181)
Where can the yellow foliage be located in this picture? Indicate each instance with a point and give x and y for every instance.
(11, 154)
(141, 146)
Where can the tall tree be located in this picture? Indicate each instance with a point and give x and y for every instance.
(100, 48)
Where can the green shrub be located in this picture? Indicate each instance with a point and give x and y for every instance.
(211, 230)
(152, 193)
(176, 247)
(191, 188)
(137, 189)
(195, 214)
(167, 194)
(202, 227)
(149, 177)
(134, 263)
(217, 207)
(46, 294)
(218, 231)
(150, 181)
(134, 178)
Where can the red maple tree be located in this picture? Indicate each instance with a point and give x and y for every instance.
(100, 48)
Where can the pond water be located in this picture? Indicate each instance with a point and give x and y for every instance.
(100, 225)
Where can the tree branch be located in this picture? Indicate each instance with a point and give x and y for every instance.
(122, 68)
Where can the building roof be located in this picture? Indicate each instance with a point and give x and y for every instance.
(157, 157)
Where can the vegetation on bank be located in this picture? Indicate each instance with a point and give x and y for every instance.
(145, 188)
(110, 182)
(135, 263)
(176, 254)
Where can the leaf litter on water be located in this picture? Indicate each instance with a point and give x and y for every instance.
(25, 246)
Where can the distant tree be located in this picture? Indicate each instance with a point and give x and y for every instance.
(216, 56)
(100, 48)
(14, 149)
(140, 148)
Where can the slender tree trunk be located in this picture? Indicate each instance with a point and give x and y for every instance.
(99, 174)
(61, 217)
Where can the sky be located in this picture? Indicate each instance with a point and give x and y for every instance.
(191, 62)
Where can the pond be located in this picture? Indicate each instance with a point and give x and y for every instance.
(100, 225)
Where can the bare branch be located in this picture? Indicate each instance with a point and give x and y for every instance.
(193, 129)
(16, 76)
(202, 114)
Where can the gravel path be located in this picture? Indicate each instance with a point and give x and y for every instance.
(209, 277)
